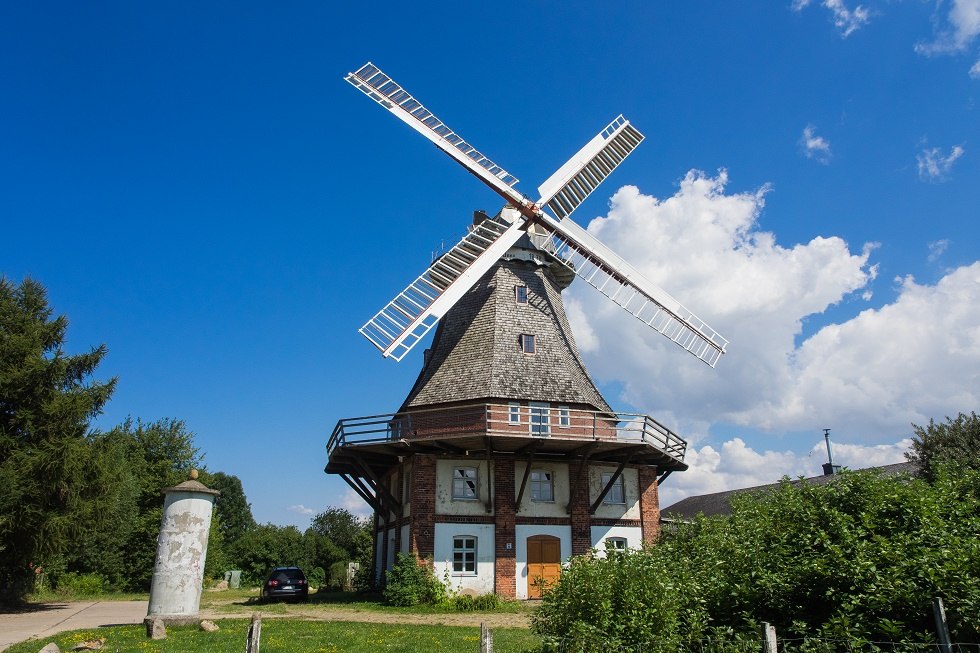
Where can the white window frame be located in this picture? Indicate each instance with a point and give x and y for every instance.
(517, 294)
(464, 557)
(461, 484)
(610, 497)
(529, 344)
(564, 417)
(542, 478)
(513, 413)
(617, 543)
(539, 418)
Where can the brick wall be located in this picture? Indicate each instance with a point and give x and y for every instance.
(421, 536)
(505, 568)
(579, 507)
(649, 504)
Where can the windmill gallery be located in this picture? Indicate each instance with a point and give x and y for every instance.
(504, 459)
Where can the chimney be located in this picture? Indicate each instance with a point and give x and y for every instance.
(829, 467)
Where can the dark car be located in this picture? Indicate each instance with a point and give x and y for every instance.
(286, 583)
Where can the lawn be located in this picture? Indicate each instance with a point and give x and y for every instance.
(287, 635)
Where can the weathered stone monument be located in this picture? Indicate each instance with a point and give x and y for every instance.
(182, 547)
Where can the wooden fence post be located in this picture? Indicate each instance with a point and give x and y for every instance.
(254, 634)
(768, 638)
(486, 639)
(942, 629)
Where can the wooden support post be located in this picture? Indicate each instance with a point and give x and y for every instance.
(942, 628)
(486, 639)
(768, 638)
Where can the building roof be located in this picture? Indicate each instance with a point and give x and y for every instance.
(476, 353)
(719, 503)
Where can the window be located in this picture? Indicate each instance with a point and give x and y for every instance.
(615, 494)
(464, 483)
(542, 485)
(520, 293)
(464, 554)
(539, 418)
(616, 543)
(527, 343)
(564, 417)
(515, 414)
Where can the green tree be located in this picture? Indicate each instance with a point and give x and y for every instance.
(52, 481)
(349, 532)
(954, 443)
(232, 507)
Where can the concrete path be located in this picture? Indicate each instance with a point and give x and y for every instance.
(51, 618)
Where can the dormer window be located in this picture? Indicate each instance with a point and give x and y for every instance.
(520, 293)
(528, 345)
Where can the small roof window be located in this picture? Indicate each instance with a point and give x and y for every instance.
(528, 344)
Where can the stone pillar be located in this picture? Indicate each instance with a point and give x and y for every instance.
(649, 504)
(182, 547)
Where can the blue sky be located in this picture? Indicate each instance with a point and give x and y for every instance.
(200, 190)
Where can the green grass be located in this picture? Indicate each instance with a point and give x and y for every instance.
(289, 636)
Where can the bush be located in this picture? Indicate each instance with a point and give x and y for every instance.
(75, 584)
(411, 582)
(481, 603)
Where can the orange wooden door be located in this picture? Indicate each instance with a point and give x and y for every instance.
(543, 563)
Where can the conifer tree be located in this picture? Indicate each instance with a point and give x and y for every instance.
(52, 480)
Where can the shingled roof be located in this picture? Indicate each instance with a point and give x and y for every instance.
(476, 354)
(720, 503)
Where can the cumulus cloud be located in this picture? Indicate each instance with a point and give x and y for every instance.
(735, 465)
(875, 373)
(956, 31)
(975, 70)
(846, 20)
(934, 165)
(815, 147)
(353, 503)
(300, 509)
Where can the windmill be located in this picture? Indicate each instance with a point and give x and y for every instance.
(406, 319)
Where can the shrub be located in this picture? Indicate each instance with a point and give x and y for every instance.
(411, 582)
(481, 603)
(75, 584)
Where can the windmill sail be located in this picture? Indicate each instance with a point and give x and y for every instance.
(619, 281)
(383, 90)
(563, 191)
(408, 317)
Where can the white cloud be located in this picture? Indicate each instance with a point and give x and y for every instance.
(815, 147)
(936, 249)
(736, 466)
(934, 166)
(300, 509)
(956, 32)
(975, 70)
(353, 503)
(846, 20)
(873, 374)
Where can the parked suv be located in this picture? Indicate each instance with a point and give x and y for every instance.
(286, 583)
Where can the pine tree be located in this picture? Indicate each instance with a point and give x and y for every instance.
(52, 479)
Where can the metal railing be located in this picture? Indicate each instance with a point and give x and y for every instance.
(507, 420)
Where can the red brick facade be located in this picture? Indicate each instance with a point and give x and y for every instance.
(505, 570)
(649, 504)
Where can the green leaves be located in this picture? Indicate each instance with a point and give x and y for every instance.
(858, 558)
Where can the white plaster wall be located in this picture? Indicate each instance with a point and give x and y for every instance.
(633, 535)
(445, 504)
(182, 547)
(521, 533)
(407, 505)
(403, 545)
(631, 490)
(556, 508)
(379, 568)
(391, 548)
(483, 581)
